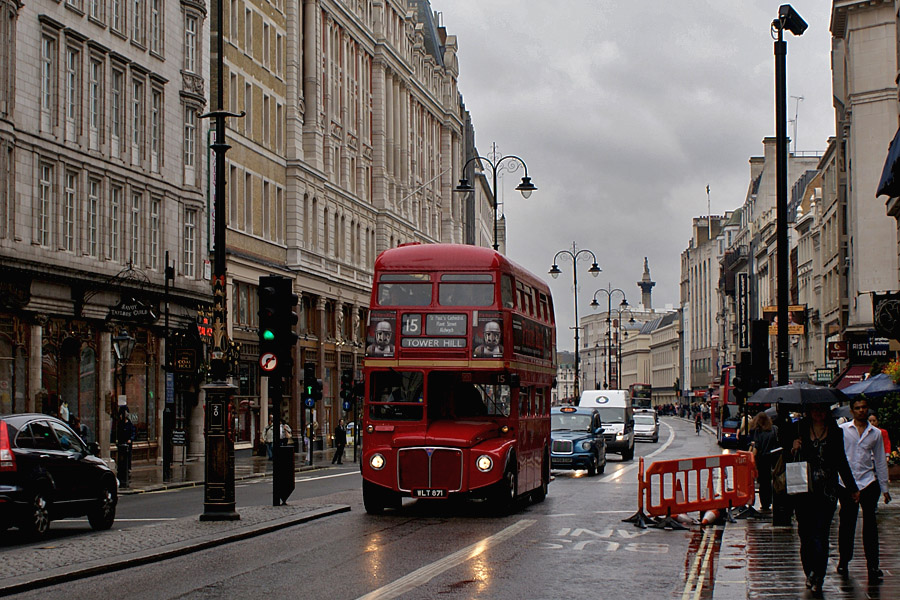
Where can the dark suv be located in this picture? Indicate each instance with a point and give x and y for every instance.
(577, 442)
(47, 472)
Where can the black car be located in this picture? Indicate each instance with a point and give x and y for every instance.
(577, 441)
(47, 472)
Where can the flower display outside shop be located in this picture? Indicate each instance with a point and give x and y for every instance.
(893, 458)
(892, 369)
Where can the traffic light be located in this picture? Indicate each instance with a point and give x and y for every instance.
(276, 325)
(347, 389)
(268, 324)
(309, 384)
(742, 378)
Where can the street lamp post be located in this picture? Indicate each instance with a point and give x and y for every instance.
(609, 291)
(790, 20)
(621, 334)
(123, 346)
(525, 187)
(575, 254)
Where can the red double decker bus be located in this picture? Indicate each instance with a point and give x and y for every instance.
(460, 360)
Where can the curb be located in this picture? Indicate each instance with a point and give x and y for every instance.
(13, 585)
(159, 487)
(732, 575)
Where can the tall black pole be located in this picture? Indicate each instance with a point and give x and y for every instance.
(577, 361)
(609, 341)
(494, 194)
(781, 232)
(218, 497)
(169, 401)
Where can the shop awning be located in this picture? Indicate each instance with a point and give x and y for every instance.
(850, 375)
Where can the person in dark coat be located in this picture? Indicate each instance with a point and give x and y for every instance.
(340, 440)
(763, 439)
(820, 444)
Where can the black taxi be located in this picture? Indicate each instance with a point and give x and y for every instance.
(577, 439)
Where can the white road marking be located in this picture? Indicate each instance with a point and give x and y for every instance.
(425, 574)
(629, 468)
(703, 553)
(148, 519)
(301, 480)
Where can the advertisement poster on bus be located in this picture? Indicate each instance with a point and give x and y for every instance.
(487, 334)
(531, 338)
(796, 319)
(380, 337)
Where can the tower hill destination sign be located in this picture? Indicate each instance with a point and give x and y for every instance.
(131, 309)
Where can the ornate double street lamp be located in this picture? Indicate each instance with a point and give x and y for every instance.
(526, 187)
(609, 291)
(575, 255)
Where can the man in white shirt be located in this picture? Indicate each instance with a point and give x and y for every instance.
(865, 453)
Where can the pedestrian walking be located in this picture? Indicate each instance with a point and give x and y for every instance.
(269, 437)
(821, 445)
(698, 421)
(340, 440)
(873, 419)
(865, 453)
(763, 439)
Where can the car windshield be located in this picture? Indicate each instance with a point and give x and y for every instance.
(570, 422)
(644, 420)
(612, 415)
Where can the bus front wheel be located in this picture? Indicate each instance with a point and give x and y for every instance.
(505, 493)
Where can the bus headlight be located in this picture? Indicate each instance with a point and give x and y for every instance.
(620, 436)
(376, 462)
(586, 445)
(484, 463)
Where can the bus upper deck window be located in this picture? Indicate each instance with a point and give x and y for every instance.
(506, 291)
(404, 294)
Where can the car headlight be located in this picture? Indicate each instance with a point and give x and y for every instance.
(586, 445)
(484, 463)
(377, 462)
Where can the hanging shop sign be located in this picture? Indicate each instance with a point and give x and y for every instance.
(131, 309)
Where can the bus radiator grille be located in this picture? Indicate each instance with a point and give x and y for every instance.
(430, 468)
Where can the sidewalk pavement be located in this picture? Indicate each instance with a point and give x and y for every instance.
(149, 477)
(759, 560)
(69, 558)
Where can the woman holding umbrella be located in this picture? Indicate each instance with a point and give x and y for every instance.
(820, 443)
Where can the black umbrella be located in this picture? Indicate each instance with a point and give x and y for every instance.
(876, 386)
(798, 394)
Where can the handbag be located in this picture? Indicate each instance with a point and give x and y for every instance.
(797, 477)
(779, 484)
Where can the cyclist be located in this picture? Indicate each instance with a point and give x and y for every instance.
(698, 421)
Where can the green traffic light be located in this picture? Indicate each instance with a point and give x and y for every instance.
(268, 335)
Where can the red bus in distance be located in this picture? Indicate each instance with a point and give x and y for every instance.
(460, 360)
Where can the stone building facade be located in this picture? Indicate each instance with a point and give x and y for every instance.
(102, 181)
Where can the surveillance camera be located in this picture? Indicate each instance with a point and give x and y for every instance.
(790, 20)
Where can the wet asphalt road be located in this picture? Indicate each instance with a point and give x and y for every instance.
(572, 545)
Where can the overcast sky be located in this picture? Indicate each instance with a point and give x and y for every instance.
(624, 112)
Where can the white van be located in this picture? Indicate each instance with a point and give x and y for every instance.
(617, 418)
